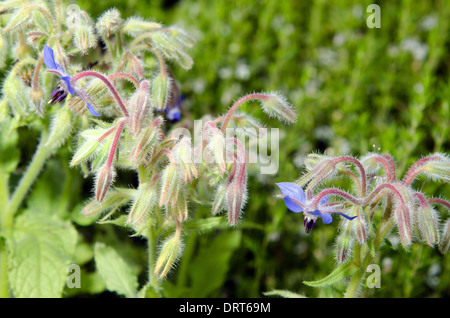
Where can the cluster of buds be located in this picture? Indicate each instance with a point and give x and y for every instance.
(376, 188)
(125, 129)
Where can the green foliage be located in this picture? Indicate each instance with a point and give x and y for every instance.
(355, 89)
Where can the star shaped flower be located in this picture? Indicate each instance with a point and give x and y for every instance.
(296, 201)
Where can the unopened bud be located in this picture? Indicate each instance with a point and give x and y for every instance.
(236, 198)
(403, 219)
(179, 35)
(3, 51)
(112, 201)
(171, 250)
(216, 147)
(359, 224)
(17, 94)
(145, 201)
(37, 98)
(136, 26)
(138, 108)
(85, 152)
(276, 106)
(220, 198)
(438, 169)
(183, 154)
(178, 210)
(144, 144)
(21, 18)
(104, 179)
(162, 85)
(427, 221)
(444, 246)
(61, 127)
(344, 242)
(84, 38)
(170, 185)
(109, 23)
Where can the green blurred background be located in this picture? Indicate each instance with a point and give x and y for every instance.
(355, 89)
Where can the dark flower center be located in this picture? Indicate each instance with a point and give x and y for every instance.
(58, 94)
(308, 223)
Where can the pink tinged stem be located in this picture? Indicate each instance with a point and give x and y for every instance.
(335, 192)
(391, 165)
(439, 201)
(423, 201)
(238, 103)
(125, 76)
(115, 143)
(36, 72)
(360, 167)
(105, 80)
(387, 167)
(414, 170)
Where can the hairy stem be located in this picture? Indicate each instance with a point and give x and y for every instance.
(38, 161)
(105, 80)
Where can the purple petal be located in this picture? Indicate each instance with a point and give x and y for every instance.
(49, 59)
(84, 99)
(292, 190)
(92, 110)
(324, 200)
(326, 218)
(291, 205)
(346, 216)
(66, 80)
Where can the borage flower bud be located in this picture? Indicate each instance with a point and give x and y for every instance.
(178, 210)
(170, 185)
(17, 94)
(138, 108)
(84, 38)
(344, 242)
(161, 87)
(277, 106)
(136, 26)
(112, 201)
(236, 198)
(144, 144)
(84, 152)
(403, 219)
(216, 146)
(444, 246)
(61, 126)
(220, 198)
(360, 224)
(439, 169)
(104, 178)
(171, 250)
(37, 98)
(109, 23)
(428, 224)
(183, 154)
(145, 201)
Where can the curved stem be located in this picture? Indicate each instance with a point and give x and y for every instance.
(105, 80)
(360, 167)
(236, 105)
(38, 161)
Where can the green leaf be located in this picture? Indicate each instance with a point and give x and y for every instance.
(117, 275)
(339, 273)
(209, 268)
(283, 293)
(41, 249)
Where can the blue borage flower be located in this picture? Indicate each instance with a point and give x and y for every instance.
(296, 201)
(64, 87)
(173, 111)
